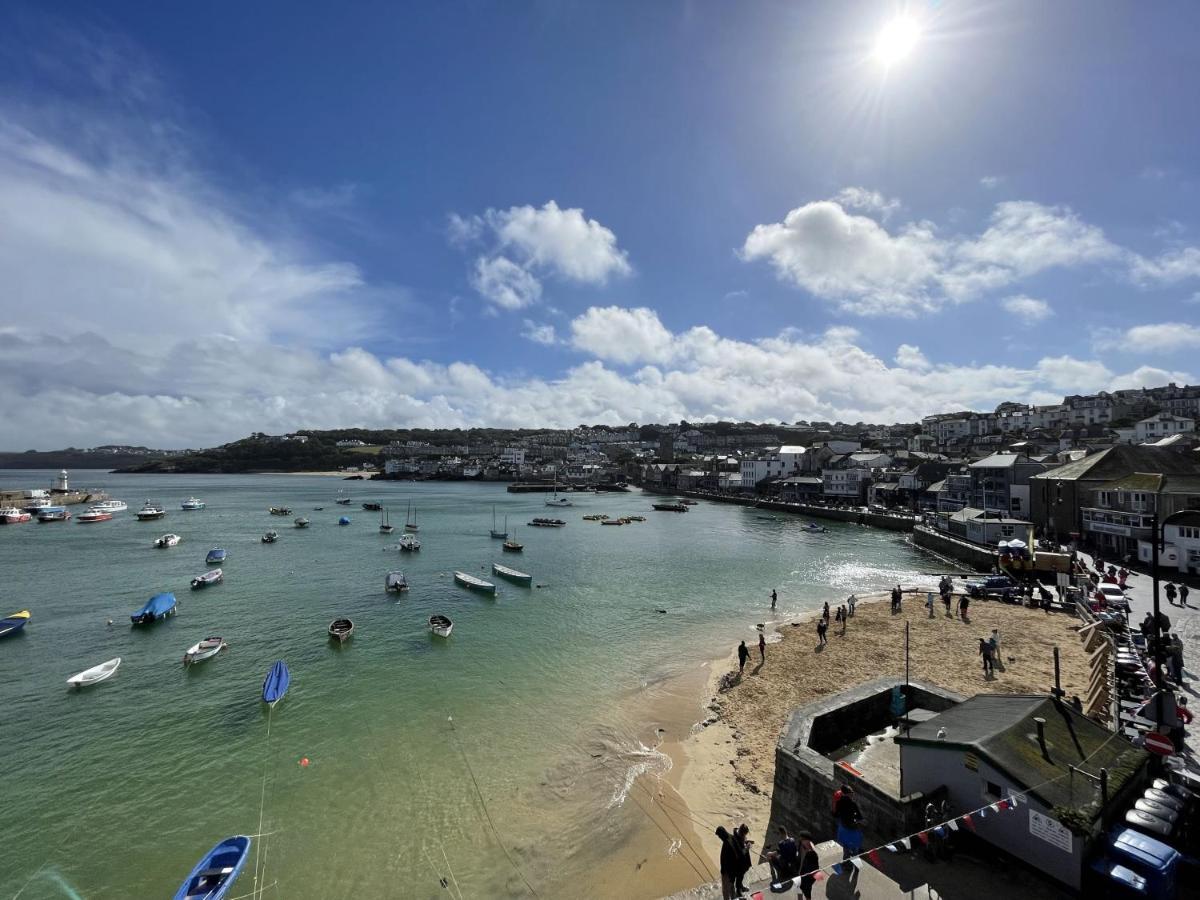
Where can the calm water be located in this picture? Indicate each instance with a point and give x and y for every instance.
(117, 790)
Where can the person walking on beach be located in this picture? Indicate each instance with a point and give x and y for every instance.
(1171, 593)
(1183, 594)
(729, 864)
(743, 655)
(774, 597)
(963, 602)
(929, 602)
(762, 646)
(985, 650)
(822, 625)
(845, 617)
(853, 600)
(825, 612)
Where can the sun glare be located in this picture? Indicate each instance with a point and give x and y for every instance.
(896, 40)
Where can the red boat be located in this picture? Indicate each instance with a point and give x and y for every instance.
(13, 516)
(93, 515)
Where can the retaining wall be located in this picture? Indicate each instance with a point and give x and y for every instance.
(982, 559)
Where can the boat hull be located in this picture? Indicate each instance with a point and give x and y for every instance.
(475, 584)
(159, 607)
(218, 869)
(198, 652)
(440, 626)
(95, 674)
(512, 575)
(14, 623)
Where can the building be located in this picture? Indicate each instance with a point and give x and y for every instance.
(1036, 753)
(800, 488)
(845, 484)
(1161, 425)
(982, 526)
(1181, 544)
(512, 456)
(1001, 481)
(351, 443)
(1122, 511)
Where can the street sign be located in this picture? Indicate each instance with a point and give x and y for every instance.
(1159, 743)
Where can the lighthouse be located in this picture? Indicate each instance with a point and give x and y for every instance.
(61, 484)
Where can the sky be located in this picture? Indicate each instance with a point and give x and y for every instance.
(224, 218)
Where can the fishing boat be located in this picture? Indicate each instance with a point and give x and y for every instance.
(613, 522)
(814, 528)
(473, 583)
(211, 577)
(512, 575)
(689, 502)
(270, 537)
(342, 499)
(95, 674)
(408, 543)
(395, 582)
(385, 525)
(34, 504)
(157, 607)
(669, 507)
(112, 506)
(53, 514)
(192, 503)
(301, 522)
(344, 520)
(595, 517)
(93, 515)
(440, 625)
(341, 629)
(410, 520)
(150, 511)
(167, 540)
(372, 506)
(10, 515)
(280, 510)
(499, 535)
(202, 650)
(215, 556)
(14, 623)
(547, 523)
(276, 683)
(217, 870)
(512, 545)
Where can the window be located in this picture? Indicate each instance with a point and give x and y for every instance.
(991, 791)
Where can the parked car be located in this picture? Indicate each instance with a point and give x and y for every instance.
(992, 586)
(1115, 596)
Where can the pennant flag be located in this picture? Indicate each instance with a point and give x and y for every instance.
(983, 813)
(940, 831)
(1013, 800)
(995, 807)
(952, 825)
(906, 843)
(895, 848)
(837, 868)
(875, 859)
(968, 821)
(924, 837)
(818, 875)
(1003, 805)
(856, 862)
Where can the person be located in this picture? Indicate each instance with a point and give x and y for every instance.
(1183, 594)
(946, 597)
(994, 640)
(729, 864)
(849, 819)
(850, 603)
(963, 602)
(1147, 626)
(742, 844)
(845, 617)
(1181, 710)
(1122, 577)
(825, 612)
(985, 650)
(1171, 593)
(774, 597)
(1076, 703)
(1175, 662)
(897, 597)
(929, 602)
(809, 864)
(743, 655)
(762, 646)
(784, 859)
(822, 625)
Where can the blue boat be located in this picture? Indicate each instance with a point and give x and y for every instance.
(217, 870)
(14, 623)
(159, 607)
(276, 684)
(216, 556)
(344, 520)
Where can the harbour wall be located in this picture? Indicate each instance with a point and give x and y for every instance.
(891, 521)
(982, 559)
(59, 498)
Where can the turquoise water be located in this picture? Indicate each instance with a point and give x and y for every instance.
(116, 791)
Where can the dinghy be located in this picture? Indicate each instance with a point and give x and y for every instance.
(167, 540)
(157, 607)
(211, 577)
(276, 683)
(205, 649)
(344, 520)
(215, 556)
(280, 510)
(474, 584)
(512, 575)
(440, 625)
(217, 870)
(395, 582)
(371, 506)
(95, 674)
(341, 629)
(300, 522)
(270, 537)
(14, 623)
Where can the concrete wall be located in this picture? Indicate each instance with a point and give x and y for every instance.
(876, 520)
(980, 558)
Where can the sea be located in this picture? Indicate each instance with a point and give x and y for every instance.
(498, 762)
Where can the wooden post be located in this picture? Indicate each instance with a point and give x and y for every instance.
(1058, 691)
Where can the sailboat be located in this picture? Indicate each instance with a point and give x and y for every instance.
(410, 521)
(500, 535)
(385, 526)
(512, 545)
(342, 499)
(557, 500)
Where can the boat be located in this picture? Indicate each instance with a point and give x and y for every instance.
(814, 528)
(410, 520)
(10, 515)
(14, 623)
(474, 583)
(270, 537)
(547, 523)
(669, 507)
(93, 515)
(280, 510)
(112, 506)
(33, 504)
(212, 576)
(344, 520)
(613, 522)
(202, 650)
(409, 543)
(341, 629)
(301, 522)
(385, 525)
(595, 517)
(217, 870)
(557, 500)
(395, 582)
(440, 625)
(157, 607)
(192, 503)
(216, 555)
(95, 674)
(636, 518)
(512, 575)
(167, 540)
(512, 546)
(150, 511)
(342, 499)
(372, 506)
(276, 683)
(689, 502)
(53, 514)
(499, 535)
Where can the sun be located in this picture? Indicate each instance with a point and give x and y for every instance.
(896, 40)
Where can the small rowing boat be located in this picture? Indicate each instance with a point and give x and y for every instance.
(473, 583)
(440, 625)
(95, 674)
(512, 575)
(209, 578)
(217, 870)
(301, 522)
(395, 582)
(205, 649)
(14, 623)
(167, 540)
(341, 629)
(280, 510)
(270, 537)
(276, 683)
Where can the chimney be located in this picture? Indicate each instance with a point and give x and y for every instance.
(1041, 736)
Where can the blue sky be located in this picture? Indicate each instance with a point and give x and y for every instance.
(270, 216)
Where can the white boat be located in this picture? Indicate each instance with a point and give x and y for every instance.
(440, 625)
(270, 537)
(192, 503)
(167, 540)
(205, 649)
(301, 522)
(557, 500)
(410, 520)
(211, 577)
(10, 515)
(95, 674)
(395, 582)
(150, 511)
(385, 525)
(342, 498)
(474, 583)
(93, 515)
(408, 543)
(53, 514)
(35, 504)
(112, 506)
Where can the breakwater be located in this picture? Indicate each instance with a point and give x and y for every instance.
(890, 521)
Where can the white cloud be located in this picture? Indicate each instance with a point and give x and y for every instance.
(1164, 337)
(1073, 376)
(991, 182)
(539, 333)
(1029, 308)
(1170, 267)
(868, 200)
(911, 357)
(504, 283)
(622, 335)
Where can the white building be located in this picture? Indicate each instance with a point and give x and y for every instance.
(512, 456)
(351, 443)
(845, 484)
(1161, 425)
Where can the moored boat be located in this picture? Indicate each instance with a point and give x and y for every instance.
(34, 504)
(512, 546)
(150, 511)
(372, 506)
(192, 503)
(636, 518)
(217, 870)
(595, 517)
(499, 535)
(669, 507)
(689, 502)
(474, 583)
(342, 499)
(395, 582)
(385, 524)
(205, 649)
(280, 510)
(270, 537)
(93, 515)
(300, 521)
(613, 522)
(410, 519)
(166, 540)
(95, 674)
(53, 514)
(112, 506)
(408, 543)
(341, 629)
(14, 623)
(547, 523)
(211, 577)
(344, 520)
(10, 515)
(157, 607)
(216, 556)
(440, 625)
(276, 683)
(512, 575)
(559, 501)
